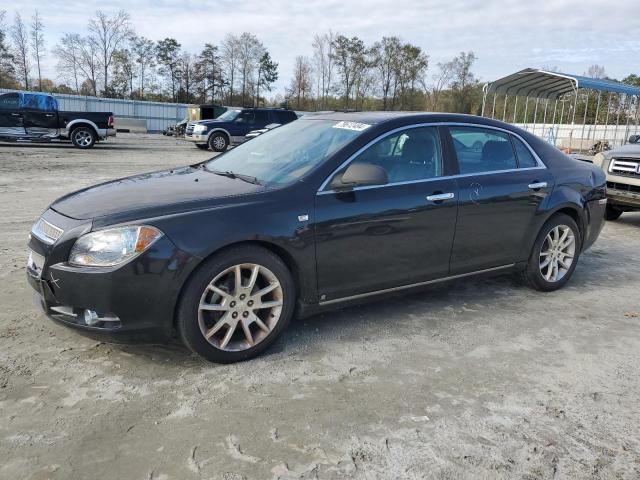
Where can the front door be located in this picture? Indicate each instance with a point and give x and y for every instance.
(10, 116)
(243, 124)
(385, 236)
(500, 192)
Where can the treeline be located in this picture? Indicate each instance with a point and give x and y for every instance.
(109, 59)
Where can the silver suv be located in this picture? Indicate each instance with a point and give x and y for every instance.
(622, 167)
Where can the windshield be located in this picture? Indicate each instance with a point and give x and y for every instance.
(229, 115)
(286, 153)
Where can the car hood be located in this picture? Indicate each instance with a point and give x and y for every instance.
(153, 194)
(631, 149)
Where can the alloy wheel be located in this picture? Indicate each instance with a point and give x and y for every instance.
(557, 253)
(219, 143)
(83, 138)
(240, 307)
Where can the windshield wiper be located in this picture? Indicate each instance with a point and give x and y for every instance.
(239, 176)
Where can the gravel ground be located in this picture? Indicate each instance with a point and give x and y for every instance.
(479, 379)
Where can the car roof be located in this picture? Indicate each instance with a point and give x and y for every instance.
(374, 118)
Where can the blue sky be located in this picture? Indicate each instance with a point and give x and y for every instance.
(505, 35)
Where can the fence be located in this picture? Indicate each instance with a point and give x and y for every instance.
(582, 137)
(156, 114)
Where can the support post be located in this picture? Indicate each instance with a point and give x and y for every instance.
(515, 109)
(493, 110)
(504, 112)
(584, 120)
(535, 114)
(526, 111)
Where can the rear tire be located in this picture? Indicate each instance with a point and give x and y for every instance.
(225, 321)
(218, 142)
(83, 137)
(611, 213)
(555, 254)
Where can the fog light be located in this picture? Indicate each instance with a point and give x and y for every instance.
(91, 318)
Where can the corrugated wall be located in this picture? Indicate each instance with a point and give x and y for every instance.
(157, 114)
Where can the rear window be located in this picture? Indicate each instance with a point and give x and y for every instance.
(482, 150)
(286, 116)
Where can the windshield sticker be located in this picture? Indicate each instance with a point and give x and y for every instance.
(358, 127)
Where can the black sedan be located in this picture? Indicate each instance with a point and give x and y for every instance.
(326, 211)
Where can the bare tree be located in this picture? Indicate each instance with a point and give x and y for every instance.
(301, 82)
(20, 39)
(143, 51)
(108, 34)
(7, 71)
(89, 63)
(230, 53)
(37, 43)
(69, 54)
(596, 71)
(441, 80)
(168, 55)
(323, 59)
(250, 50)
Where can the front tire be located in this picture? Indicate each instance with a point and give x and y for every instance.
(83, 137)
(555, 254)
(611, 213)
(218, 142)
(236, 305)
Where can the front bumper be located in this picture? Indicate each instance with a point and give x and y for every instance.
(196, 138)
(624, 198)
(137, 299)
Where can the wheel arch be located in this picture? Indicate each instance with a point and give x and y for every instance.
(277, 250)
(71, 126)
(222, 130)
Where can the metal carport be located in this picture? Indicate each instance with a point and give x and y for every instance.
(543, 95)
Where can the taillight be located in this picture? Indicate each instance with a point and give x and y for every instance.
(110, 121)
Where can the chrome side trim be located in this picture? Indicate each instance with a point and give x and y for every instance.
(540, 166)
(412, 285)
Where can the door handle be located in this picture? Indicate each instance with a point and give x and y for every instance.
(48, 115)
(16, 114)
(438, 197)
(537, 185)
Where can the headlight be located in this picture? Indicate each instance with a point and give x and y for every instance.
(199, 128)
(106, 248)
(598, 160)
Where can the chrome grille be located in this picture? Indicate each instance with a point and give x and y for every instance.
(46, 232)
(189, 130)
(626, 167)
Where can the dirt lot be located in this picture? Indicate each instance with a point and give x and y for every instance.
(482, 379)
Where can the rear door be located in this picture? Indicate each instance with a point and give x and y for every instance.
(501, 185)
(385, 236)
(261, 119)
(40, 115)
(11, 116)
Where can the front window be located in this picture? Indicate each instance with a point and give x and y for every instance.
(10, 101)
(286, 153)
(410, 155)
(229, 115)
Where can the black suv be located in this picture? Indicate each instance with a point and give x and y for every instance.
(233, 125)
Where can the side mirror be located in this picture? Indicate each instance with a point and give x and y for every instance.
(634, 139)
(360, 174)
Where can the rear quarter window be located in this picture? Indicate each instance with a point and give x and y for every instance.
(525, 157)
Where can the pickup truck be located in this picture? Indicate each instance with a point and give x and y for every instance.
(622, 167)
(35, 117)
(233, 126)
